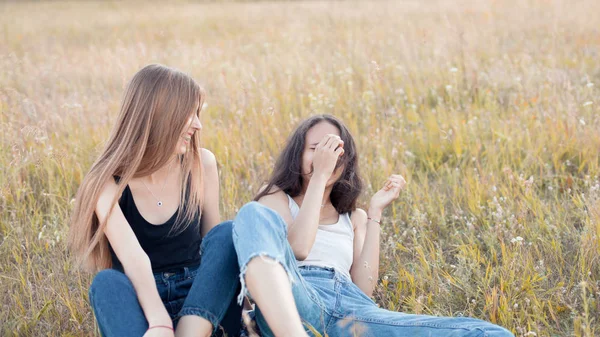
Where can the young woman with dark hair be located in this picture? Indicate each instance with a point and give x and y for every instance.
(309, 258)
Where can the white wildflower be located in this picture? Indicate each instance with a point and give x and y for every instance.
(518, 240)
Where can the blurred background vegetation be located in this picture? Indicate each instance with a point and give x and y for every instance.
(488, 108)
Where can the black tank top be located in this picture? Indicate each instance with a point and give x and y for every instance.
(166, 252)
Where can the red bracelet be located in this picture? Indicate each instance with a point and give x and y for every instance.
(162, 326)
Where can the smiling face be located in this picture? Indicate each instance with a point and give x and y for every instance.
(314, 135)
(192, 126)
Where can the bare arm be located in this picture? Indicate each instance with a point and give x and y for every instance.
(365, 264)
(302, 231)
(210, 209)
(135, 261)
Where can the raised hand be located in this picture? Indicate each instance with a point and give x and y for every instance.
(326, 155)
(388, 193)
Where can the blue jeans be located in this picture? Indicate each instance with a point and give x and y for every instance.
(327, 300)
(207, 290)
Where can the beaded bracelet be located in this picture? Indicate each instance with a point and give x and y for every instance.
(162, 326)
(376, 221)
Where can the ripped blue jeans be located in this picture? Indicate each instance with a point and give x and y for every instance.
(327, 300)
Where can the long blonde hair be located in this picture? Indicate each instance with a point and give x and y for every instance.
(156, 107)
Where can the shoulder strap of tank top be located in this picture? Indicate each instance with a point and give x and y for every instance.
(348, 220)
(294, 208)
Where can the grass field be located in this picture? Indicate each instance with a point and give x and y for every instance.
(490, 109)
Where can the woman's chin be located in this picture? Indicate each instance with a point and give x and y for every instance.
(182, 149)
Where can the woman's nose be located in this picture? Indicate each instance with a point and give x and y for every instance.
(196, 123)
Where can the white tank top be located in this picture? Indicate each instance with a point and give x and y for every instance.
(333, 247)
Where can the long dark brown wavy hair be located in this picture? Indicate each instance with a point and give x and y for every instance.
(287, 174)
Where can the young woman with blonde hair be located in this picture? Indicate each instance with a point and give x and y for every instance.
(147, 218)
(309, 257)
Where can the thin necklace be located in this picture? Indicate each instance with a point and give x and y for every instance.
(159, 202)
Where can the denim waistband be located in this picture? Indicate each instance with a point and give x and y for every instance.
(326, 271)
(176, 274)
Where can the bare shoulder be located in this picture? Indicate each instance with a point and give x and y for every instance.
(358, 218)
(274, 194)
(278, 201)
(108, 193)
(209, 161)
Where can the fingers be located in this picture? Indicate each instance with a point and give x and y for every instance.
(339, 151)
(324, 141)
(396, 178)
(331, 142)
(395, 181)
(334, 142)
(392, 185)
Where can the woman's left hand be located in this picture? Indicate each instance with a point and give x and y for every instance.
(388, 193)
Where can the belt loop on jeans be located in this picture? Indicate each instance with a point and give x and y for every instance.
(186, 272)
(167, 274)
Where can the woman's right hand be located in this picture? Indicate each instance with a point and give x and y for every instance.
(159, 332)
(326, 155)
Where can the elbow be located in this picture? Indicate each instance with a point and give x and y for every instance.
(301, 253)
(301, 248)
(301, 256)
(366, 286)
(367, 289)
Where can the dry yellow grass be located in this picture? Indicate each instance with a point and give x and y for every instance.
(488, 108)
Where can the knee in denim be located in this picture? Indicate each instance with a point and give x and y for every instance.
(105, 282)
(254, 217)
(220, 236)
